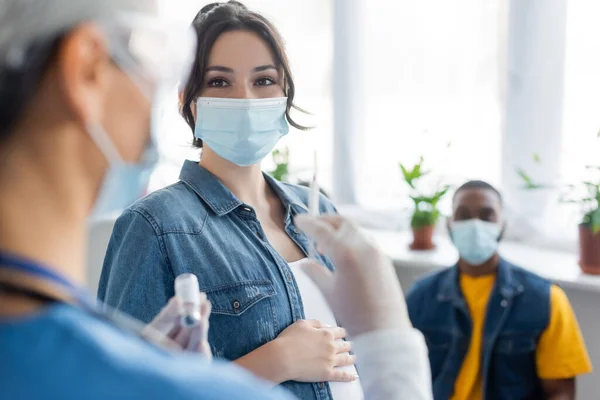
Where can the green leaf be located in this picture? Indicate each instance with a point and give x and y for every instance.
(404, 171)
(595, 219)
(420, 199)
(422, 218)
(280, 173)
(529, 184)
(437, 196)
(524, 176)
(536, 158)
(408, 176)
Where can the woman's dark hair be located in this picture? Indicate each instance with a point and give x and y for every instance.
(19, 80)
(216, 19)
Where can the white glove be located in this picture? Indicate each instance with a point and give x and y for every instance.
(194, 339)
(364, 292)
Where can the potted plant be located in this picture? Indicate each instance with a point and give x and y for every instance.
(281, 158)
(426, 213)
(589, 228)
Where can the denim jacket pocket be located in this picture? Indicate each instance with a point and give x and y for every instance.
(243, 318)
(237, 298)
(514, 344)
(514, 363)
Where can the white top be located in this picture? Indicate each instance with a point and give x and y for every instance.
(316, 307)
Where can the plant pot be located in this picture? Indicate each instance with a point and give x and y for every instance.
(423, 238)
(589, 250)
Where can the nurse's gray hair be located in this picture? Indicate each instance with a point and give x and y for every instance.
(211, 22)
(30, 33)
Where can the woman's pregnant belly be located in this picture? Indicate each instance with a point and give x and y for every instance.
(316, 307)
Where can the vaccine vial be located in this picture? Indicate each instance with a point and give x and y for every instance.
(188, 293)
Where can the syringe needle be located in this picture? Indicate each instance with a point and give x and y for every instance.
(313, 201)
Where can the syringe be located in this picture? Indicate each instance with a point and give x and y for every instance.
(313, 201)
(188, 292)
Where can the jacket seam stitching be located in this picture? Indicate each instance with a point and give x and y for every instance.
(159, 237)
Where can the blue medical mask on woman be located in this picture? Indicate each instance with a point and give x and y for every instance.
(242, 131)
(476, 240)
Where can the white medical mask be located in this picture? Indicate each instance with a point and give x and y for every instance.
(242, 131)
(124, 182)
(476, 240)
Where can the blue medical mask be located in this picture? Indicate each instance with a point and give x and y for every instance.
(243, 131)
(476, 240)
(123, 182)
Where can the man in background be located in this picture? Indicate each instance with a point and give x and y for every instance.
(494, 330)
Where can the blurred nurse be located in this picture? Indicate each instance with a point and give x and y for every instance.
(77, 79)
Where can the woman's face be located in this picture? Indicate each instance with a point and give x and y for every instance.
(241, 66)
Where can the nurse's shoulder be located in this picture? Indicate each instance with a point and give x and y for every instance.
(79, 356)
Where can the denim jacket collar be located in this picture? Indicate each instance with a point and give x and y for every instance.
(506, 281)
(220, 199)
(287, 196)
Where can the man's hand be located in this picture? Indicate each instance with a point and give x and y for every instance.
(559, 389)
(194, 339)
(364, 292)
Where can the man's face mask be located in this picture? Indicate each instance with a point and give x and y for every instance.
(476, 240)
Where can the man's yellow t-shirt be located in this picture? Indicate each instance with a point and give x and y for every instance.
(560, 353)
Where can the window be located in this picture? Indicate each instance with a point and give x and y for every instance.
(581, 124)
(432, 79)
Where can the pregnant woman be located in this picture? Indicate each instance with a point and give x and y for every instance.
(231, 225)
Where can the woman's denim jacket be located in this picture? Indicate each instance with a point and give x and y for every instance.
(197, 225)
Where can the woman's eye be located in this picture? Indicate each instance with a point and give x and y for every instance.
(218, 83)
(265, 82)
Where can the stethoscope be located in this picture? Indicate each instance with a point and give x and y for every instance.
(81, 298)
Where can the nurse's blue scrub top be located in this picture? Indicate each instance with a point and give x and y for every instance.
(64, 353)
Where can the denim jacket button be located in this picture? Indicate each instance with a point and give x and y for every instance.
(503, 303)
(236, 305)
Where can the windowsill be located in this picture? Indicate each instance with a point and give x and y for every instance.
(560, 267)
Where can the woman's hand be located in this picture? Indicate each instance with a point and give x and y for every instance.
(311, 352)
(168, 323)
(306, 351)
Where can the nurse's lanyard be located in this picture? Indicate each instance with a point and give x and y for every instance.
(21, 265)
(80, 296)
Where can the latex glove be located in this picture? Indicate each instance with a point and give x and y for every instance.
(194, 339)
(364, 292)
